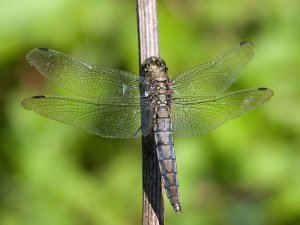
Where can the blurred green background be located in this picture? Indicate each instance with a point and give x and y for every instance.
(245, 172)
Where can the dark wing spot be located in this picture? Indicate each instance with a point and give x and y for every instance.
(39, 96)
(262, 89)
(243, 43)
(44, 49)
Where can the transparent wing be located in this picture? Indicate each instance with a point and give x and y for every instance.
(113, 119)
(196, 116)
(83, 79)
(216, 76)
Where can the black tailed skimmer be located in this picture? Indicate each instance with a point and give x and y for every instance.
(110, 101)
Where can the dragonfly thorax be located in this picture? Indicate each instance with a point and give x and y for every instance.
(161, 93)
(155, 71)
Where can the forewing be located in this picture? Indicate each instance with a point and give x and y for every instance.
(213, 78)
(113, 119)
(83, 79)
(196, 116)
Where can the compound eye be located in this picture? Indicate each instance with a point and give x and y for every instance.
(163, 64)
(150, 64)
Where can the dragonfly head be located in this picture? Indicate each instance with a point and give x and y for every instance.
(154, 66)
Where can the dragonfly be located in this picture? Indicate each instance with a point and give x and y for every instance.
(113, 103)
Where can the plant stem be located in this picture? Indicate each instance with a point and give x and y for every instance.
(153, 205)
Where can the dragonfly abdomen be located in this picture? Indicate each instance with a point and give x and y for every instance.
(166, 156)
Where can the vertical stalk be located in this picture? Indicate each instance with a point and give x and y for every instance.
(153, 206)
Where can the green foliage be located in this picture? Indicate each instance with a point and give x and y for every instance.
(245, 172)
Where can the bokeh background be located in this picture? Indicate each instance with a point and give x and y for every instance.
(247, 172)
